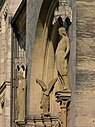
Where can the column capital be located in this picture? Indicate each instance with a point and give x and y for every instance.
(63, 98)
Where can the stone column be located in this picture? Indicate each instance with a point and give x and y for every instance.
(64, 99)
(63, 114)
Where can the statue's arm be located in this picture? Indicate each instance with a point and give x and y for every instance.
(68, 47)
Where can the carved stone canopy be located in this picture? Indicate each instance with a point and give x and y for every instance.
(63, 10)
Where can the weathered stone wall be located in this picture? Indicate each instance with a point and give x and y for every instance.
(6, 11)
(3, 45)
(85, 64)
(5, 41)
(5, 66)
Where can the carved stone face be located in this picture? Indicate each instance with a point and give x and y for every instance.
(62, 31)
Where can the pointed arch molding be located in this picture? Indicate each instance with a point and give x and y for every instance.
(49, 19)
(45, 34)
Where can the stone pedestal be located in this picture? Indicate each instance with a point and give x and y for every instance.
(41, 121)
(64, 99)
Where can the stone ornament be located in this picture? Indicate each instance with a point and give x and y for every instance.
(45, 100)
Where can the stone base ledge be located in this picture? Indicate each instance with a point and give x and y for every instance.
(20, 122)
(39, 118)
(39, 121)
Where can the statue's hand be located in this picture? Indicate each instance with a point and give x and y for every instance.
(65, 71)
